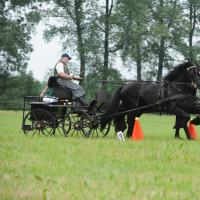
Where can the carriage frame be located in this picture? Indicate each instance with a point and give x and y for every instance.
(63, 114)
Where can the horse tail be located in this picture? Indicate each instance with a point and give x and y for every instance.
(112, 107)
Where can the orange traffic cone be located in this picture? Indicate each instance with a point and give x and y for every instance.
(192, 131)
(137, 131)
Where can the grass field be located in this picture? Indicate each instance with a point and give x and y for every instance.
(158, 167)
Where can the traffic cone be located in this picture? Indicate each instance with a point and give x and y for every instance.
(192, 131)
(137, 131)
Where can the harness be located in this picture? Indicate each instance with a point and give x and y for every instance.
(161, 96)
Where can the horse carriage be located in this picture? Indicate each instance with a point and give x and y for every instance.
(176, 95)
(62, 115)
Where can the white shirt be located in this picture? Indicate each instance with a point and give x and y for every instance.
(60, 68)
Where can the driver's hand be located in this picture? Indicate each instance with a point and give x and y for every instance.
(77, 78)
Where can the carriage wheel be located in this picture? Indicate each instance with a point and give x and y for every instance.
(97, 132)
(39, 121)
(59, 125)
(77, 123)
(59, 128)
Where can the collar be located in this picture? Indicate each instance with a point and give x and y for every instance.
(63, 62)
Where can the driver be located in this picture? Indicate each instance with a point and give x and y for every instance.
(64, 79)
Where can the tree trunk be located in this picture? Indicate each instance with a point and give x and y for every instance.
(139, 66)
(161, 50)
(106, 53)
(80, 48)
(138, 51)
(161, 59)
(192, 30)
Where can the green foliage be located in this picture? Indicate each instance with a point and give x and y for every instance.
(49, 72)
(187, 31)
(91, 86)
(72, 30)
(16, 87)
(16, 25)
(150, 36)
(82, 31)
(159, 34)
(133, 21)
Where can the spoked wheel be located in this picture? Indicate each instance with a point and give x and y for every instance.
(59, 125)
(97, 132)
(39, 122)
(77, 123)
(59, 128)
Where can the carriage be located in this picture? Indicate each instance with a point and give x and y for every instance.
(63, 116)
(176, 94)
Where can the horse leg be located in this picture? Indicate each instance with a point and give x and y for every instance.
(187, 133)
(119, 121)
(196, 121)
(120, 124)
(177, 136)
(181, 122)
(131, 122)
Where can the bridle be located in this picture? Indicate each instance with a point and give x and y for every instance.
(193, 79)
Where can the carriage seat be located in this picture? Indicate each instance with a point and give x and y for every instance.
(62, 92)
(59, 91)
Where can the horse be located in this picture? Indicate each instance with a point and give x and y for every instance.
(169, 96)
(193, 106)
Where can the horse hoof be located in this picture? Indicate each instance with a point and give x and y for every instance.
(178, 138)
(191, 139)
(128, 136)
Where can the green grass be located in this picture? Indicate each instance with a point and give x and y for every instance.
(158, 167)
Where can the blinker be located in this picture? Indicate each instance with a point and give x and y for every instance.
(190, 67)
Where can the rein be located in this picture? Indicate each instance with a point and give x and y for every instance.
(157, 103)
(113, 81)
(160, 94)
(161, 101)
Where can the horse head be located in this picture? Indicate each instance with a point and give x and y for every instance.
(193, 73)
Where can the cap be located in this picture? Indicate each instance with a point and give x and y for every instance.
(66, 55)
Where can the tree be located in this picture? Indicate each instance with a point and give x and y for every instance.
(16, 25)
(92, 85)
(132, 26)
(85, 30)
(72, 30)
(104, 28)
(16, 87)
(165, 14)
(187, 30)
(151, 28)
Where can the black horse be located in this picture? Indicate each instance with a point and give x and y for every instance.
(170, 96)
(193, 106)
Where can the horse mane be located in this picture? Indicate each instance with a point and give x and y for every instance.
(176, 71)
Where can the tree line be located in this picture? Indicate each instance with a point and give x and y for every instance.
(150, 36)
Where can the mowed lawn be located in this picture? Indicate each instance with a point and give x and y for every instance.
(158, 167)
